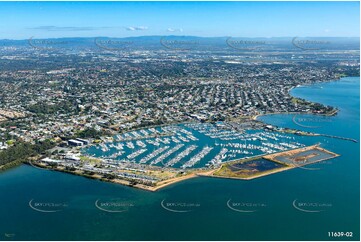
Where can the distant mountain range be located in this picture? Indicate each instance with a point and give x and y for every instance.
(189, 42)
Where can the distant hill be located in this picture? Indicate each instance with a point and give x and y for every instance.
(190, 42)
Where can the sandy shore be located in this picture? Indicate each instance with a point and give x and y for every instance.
(166, 183)
(251, 176)
(266, 114)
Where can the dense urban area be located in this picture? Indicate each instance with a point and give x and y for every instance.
(54, 99)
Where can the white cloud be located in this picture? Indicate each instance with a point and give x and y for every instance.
(136, 28)
(174, 30)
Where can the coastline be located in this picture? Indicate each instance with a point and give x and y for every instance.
(335, 111)
(196, 173)
(10, 165)
(165, 183)
(252, 177)
(128, 183)
(272, 158)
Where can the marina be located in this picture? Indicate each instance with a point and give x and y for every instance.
(155, 157)
(192, 145)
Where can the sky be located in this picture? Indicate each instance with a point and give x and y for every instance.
(22, 20)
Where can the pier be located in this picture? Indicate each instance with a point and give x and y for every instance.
(338, 137)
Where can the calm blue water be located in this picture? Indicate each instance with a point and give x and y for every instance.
(332, 187)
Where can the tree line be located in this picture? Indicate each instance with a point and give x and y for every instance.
(20, 152)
